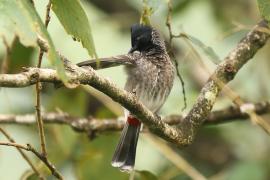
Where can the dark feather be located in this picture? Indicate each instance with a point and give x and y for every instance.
(125, 153)
(107, 62)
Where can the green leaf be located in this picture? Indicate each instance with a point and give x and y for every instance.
(14, 20)
(145, 175)
(206, 49)
(74, 19)
(19, 18)
(264, 7)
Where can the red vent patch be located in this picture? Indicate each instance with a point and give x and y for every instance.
(133, 121)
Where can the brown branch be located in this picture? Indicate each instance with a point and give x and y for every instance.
(39, 88)
(39, 118)
(22, 153)
(92, 125)
(236, 99)
(14, 145)
(186, 131)
(224, 73)
(28, 147)
(48, 10)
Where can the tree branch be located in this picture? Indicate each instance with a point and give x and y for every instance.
(224, 73)
(93, 126)
(185, 132)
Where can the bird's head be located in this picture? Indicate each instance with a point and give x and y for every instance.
(144, 38)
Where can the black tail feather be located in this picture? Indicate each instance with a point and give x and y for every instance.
(125, 153)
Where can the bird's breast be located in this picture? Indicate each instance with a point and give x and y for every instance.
(150, 82)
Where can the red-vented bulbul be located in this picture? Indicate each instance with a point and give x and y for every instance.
(150, 77)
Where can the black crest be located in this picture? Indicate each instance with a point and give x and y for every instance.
(141, 38)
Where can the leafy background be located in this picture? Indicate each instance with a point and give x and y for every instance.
(237, 150)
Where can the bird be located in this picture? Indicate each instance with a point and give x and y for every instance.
(150, 76)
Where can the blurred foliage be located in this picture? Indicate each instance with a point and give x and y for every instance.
(264, 7)
(144, 175)
(227, 12)
(20, 56)
(19, 18)
(205, 49)
(179, 6)
(59, 101)
(233, 151)
(148, 9)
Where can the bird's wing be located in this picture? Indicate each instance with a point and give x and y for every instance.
(108, 62)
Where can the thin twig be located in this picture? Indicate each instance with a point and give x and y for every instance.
(38, 90)
(48, 17)
(22, 153)
(28, 147)
(170, 50)
(14, 145)
(43, 155)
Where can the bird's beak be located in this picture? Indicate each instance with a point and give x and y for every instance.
(134, 48)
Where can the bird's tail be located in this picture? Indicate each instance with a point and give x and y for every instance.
(125, 153)
(102, 63)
